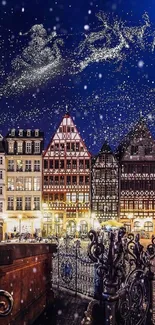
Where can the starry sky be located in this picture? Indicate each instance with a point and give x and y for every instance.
(94, 59)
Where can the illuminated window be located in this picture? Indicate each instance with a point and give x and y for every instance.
(19, 147)
(37, 166)
(28, 133)
(28, 184)
(28, 203)
(11, 147)
(10, 203)
(36, 147)
(10, 185)
(28, 147)
(20, 133)
(36, 133)
(148, 226)
(19, 165)
(19, 203)
(137, 226)
(28, 165)
(36, 203)
(36, 184)
(19, 184)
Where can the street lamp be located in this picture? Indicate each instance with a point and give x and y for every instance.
(20, 222)
(5, 235)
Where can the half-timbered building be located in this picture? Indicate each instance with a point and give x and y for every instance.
(137, 179)
(66, 182)
(104, 197)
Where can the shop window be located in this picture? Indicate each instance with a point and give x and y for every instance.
(148, 226)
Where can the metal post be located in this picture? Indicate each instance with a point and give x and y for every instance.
(76, 266)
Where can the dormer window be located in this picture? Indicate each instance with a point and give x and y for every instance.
(20, 133)
(11, 147)
(13, 132)
(134, 150)
(36, 133)
(28, 133)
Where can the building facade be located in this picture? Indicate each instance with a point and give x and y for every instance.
(66, 182)
(23, 180)
(2, 186)
(137, 180)
(104, 185)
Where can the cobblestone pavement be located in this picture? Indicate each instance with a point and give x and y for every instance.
(66, 310)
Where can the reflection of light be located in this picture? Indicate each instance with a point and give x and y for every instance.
(96, 224)
(130, 216)
(4, 217)
(19, 216)
(44, 205)
(78, 227)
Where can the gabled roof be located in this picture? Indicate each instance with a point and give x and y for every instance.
(138, 130)
(105, 149)
(67, 115)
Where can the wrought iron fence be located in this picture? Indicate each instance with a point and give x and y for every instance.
(118, 273)
(125, 270)
(72, 269)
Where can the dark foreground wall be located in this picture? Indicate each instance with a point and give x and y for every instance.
(25, 272)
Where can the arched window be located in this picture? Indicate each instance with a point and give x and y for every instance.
(148, 226)
(71, 227)
(83, 226)
(136, 226)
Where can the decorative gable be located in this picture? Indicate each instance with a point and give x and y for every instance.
(138, 144)
(67, 140)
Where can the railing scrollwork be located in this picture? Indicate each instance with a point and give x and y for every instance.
(124, 268)
(6, 303)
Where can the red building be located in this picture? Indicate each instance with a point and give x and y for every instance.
(66, 182)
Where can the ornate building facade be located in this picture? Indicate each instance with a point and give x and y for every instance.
(2, 186)
(137, 180)
(104, 185)
(66, 182)
(23, 180)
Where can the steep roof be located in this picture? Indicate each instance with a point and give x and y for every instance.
(138, 130)
(105, 149)
(2, 150)
(68, 117)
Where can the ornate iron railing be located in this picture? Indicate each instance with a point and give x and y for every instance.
(6, 303)
(124, 269)
(72, 268)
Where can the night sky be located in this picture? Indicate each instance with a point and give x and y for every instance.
(99, 69)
